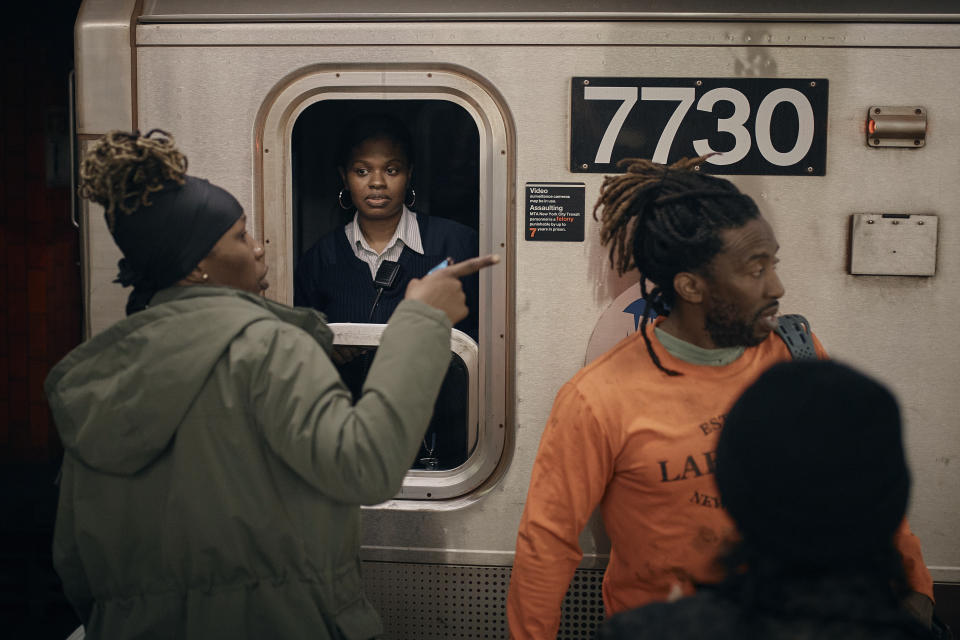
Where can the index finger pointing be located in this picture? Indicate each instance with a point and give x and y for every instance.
(467, 267)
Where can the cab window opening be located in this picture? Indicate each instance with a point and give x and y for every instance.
(447, 442)
(332, 150)
(446, 176)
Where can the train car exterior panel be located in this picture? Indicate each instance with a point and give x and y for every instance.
(177, 85)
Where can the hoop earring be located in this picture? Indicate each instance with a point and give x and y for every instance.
(345, 207)
(413, 197)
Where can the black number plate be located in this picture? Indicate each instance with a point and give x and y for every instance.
(759, 126)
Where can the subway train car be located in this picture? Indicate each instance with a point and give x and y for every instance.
(842, 121)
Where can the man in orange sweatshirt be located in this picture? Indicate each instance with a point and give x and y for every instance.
(635, 432)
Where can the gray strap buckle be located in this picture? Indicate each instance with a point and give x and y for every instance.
(794, 330)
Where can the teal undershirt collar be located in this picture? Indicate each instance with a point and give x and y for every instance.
(693, 354)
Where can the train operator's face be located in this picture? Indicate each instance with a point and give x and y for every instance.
(237, 260)
(377, 177)
(743, 287)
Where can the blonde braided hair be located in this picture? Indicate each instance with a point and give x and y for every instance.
(123, 169)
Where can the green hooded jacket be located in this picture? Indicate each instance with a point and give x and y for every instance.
(215, 464)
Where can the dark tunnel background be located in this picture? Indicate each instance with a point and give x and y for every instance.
(40, 306)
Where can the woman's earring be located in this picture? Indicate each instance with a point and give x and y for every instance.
(413, 197)
(205, 277)
(340, 199)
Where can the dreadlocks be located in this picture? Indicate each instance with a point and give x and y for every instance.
(170, 220)
(664, 220)
(123, 169)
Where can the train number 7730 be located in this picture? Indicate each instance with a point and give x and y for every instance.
(754, 126)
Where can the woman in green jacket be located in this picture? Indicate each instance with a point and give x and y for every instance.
(215, 463)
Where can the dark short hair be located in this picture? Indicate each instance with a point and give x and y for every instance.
(810, 465)
(374, 126)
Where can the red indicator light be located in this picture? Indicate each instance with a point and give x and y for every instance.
(872, 126)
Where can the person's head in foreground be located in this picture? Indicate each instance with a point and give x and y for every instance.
(171, 227)
(810, 465)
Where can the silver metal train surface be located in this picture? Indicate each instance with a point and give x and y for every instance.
(822, 117)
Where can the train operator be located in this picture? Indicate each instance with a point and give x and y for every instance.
(635, 432)
(215, 463)
(342, 274)
(338, 274)
(819, 555)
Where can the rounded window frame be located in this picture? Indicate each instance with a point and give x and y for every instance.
(274, 197)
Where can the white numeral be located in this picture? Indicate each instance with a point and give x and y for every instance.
(684, 96)
(733, 125)
(804, 132)
(628, 96)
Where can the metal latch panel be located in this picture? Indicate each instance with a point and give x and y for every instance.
(897, 127)
(893, 244)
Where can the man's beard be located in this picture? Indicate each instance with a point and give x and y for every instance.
(727, 329)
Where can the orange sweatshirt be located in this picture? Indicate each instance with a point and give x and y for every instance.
(641, 445)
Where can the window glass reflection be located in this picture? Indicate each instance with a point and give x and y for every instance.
(445, 444)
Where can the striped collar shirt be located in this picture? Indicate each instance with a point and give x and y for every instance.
(406, 235)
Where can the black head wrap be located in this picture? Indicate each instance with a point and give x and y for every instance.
(810, 465)
(162, 242)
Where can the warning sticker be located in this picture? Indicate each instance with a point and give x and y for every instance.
(555, 211)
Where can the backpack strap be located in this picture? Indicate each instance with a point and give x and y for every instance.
(794, 330)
